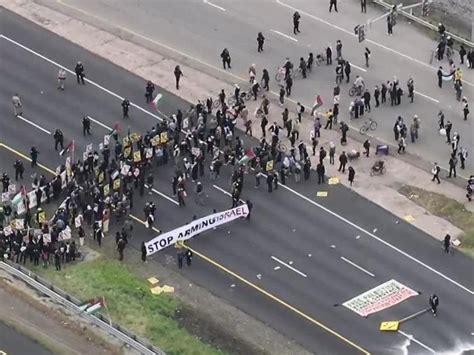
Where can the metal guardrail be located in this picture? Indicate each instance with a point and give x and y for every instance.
(71, 303)
(425, 23)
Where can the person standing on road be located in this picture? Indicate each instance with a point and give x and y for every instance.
(58, 139)
(452, 165)
(366, 97)
(288, 85)
(435, 171)
(351, 176)
(125, 108)
(376, 96)
(347, 70)
(333, 3)
(401, 145)
(329, 55)
(143, 251)
(434, 303)
(80, 75)
(363, 6)
(389, 25)
(411, 88)
(61, 78)
(366, 146)
(296, 22)
(225, 56)
(86, 126)
(440, 77)
(177, 75)
(342, 162)
(465, 109)
(121, 244)
(149, 89)
(367, 55)
(260, 42)
(17, 105)
(447, 243)
(265, 79)
(448, 127)
(34, 156)
(282, 93)
(320, 170)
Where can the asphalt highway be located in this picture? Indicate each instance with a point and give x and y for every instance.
(199, 30)
(299, 257)
(12, 342)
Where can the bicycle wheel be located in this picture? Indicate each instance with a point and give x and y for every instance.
(231, 101)
(216, 104)
(279, 76)
(373, 125)
(248, 95)
(363, 129)
(352, 91)
(282, 148)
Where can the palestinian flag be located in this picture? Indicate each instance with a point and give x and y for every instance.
(93, 305)
(69, 148)
(249, 155)
(19, 196)
(155, 101)
(115, 131)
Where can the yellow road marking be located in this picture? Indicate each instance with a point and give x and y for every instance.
(226, 270)
(278, 300)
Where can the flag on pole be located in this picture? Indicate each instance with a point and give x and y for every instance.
(115, 130)
(69, 148)
(157, 98)
(93, 305)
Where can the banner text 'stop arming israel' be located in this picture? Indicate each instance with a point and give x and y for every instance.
(195, 227)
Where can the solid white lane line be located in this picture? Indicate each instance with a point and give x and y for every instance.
(222, 190)
(100, 123)
(162, 195)
(275, 93)
(427, 97)
(284, 35)
(213, 5)
(357, 266)
(372, 235)
(34, 124)
(359, 68)
(412, 338)
(350, 33)
(289, 266)
(72, 72)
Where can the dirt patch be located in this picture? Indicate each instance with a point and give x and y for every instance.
(446, 208)
(201, 326)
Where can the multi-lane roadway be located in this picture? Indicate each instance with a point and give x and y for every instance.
(298, 259)
(198, 31)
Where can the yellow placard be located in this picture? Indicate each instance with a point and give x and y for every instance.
(155, 140)
(409, 218)
(134, 137)
(333, 180)
(153, 280)
(116, 184)
(390, 326)
(164, 137)
(156, 290)
(322, 194)
(167, 289)
(42, 217)
(137, 156)
(106, 189)
(269, 166)
(101, 177)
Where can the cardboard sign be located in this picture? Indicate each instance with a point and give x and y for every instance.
(106, 189)
(269, 166)
(125, 169)
(7, 230)
(106, 140)
(155, 140)
(42, 217)
(5, 196)
(20, 207)
(116, 184)
(65, 234)
(84, 156)
(63, 179)
(100, 177)
(149, 153)
(195, 151)
(137, 156)
(12, 188)
(78, 221)
(127, 151)
(89, 148)
(164, 137)
(47, 238)
(32, 202)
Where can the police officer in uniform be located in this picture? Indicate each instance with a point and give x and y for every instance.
(19, 169)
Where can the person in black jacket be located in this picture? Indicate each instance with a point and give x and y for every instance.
(80, 75)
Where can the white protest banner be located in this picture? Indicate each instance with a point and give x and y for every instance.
(32, 199)
(89, 148)
(20, 207)
(379, 298)
(12, 188)
(106, 140)
(7, 230)
(5, 196)
(63, 179)
(65, 234)
(195, 227)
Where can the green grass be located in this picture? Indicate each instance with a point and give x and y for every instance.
(447, 208)
(130, 303)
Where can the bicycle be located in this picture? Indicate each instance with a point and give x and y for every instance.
(244, 96)
(354, 90)
(370, 124)
(281, 147)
